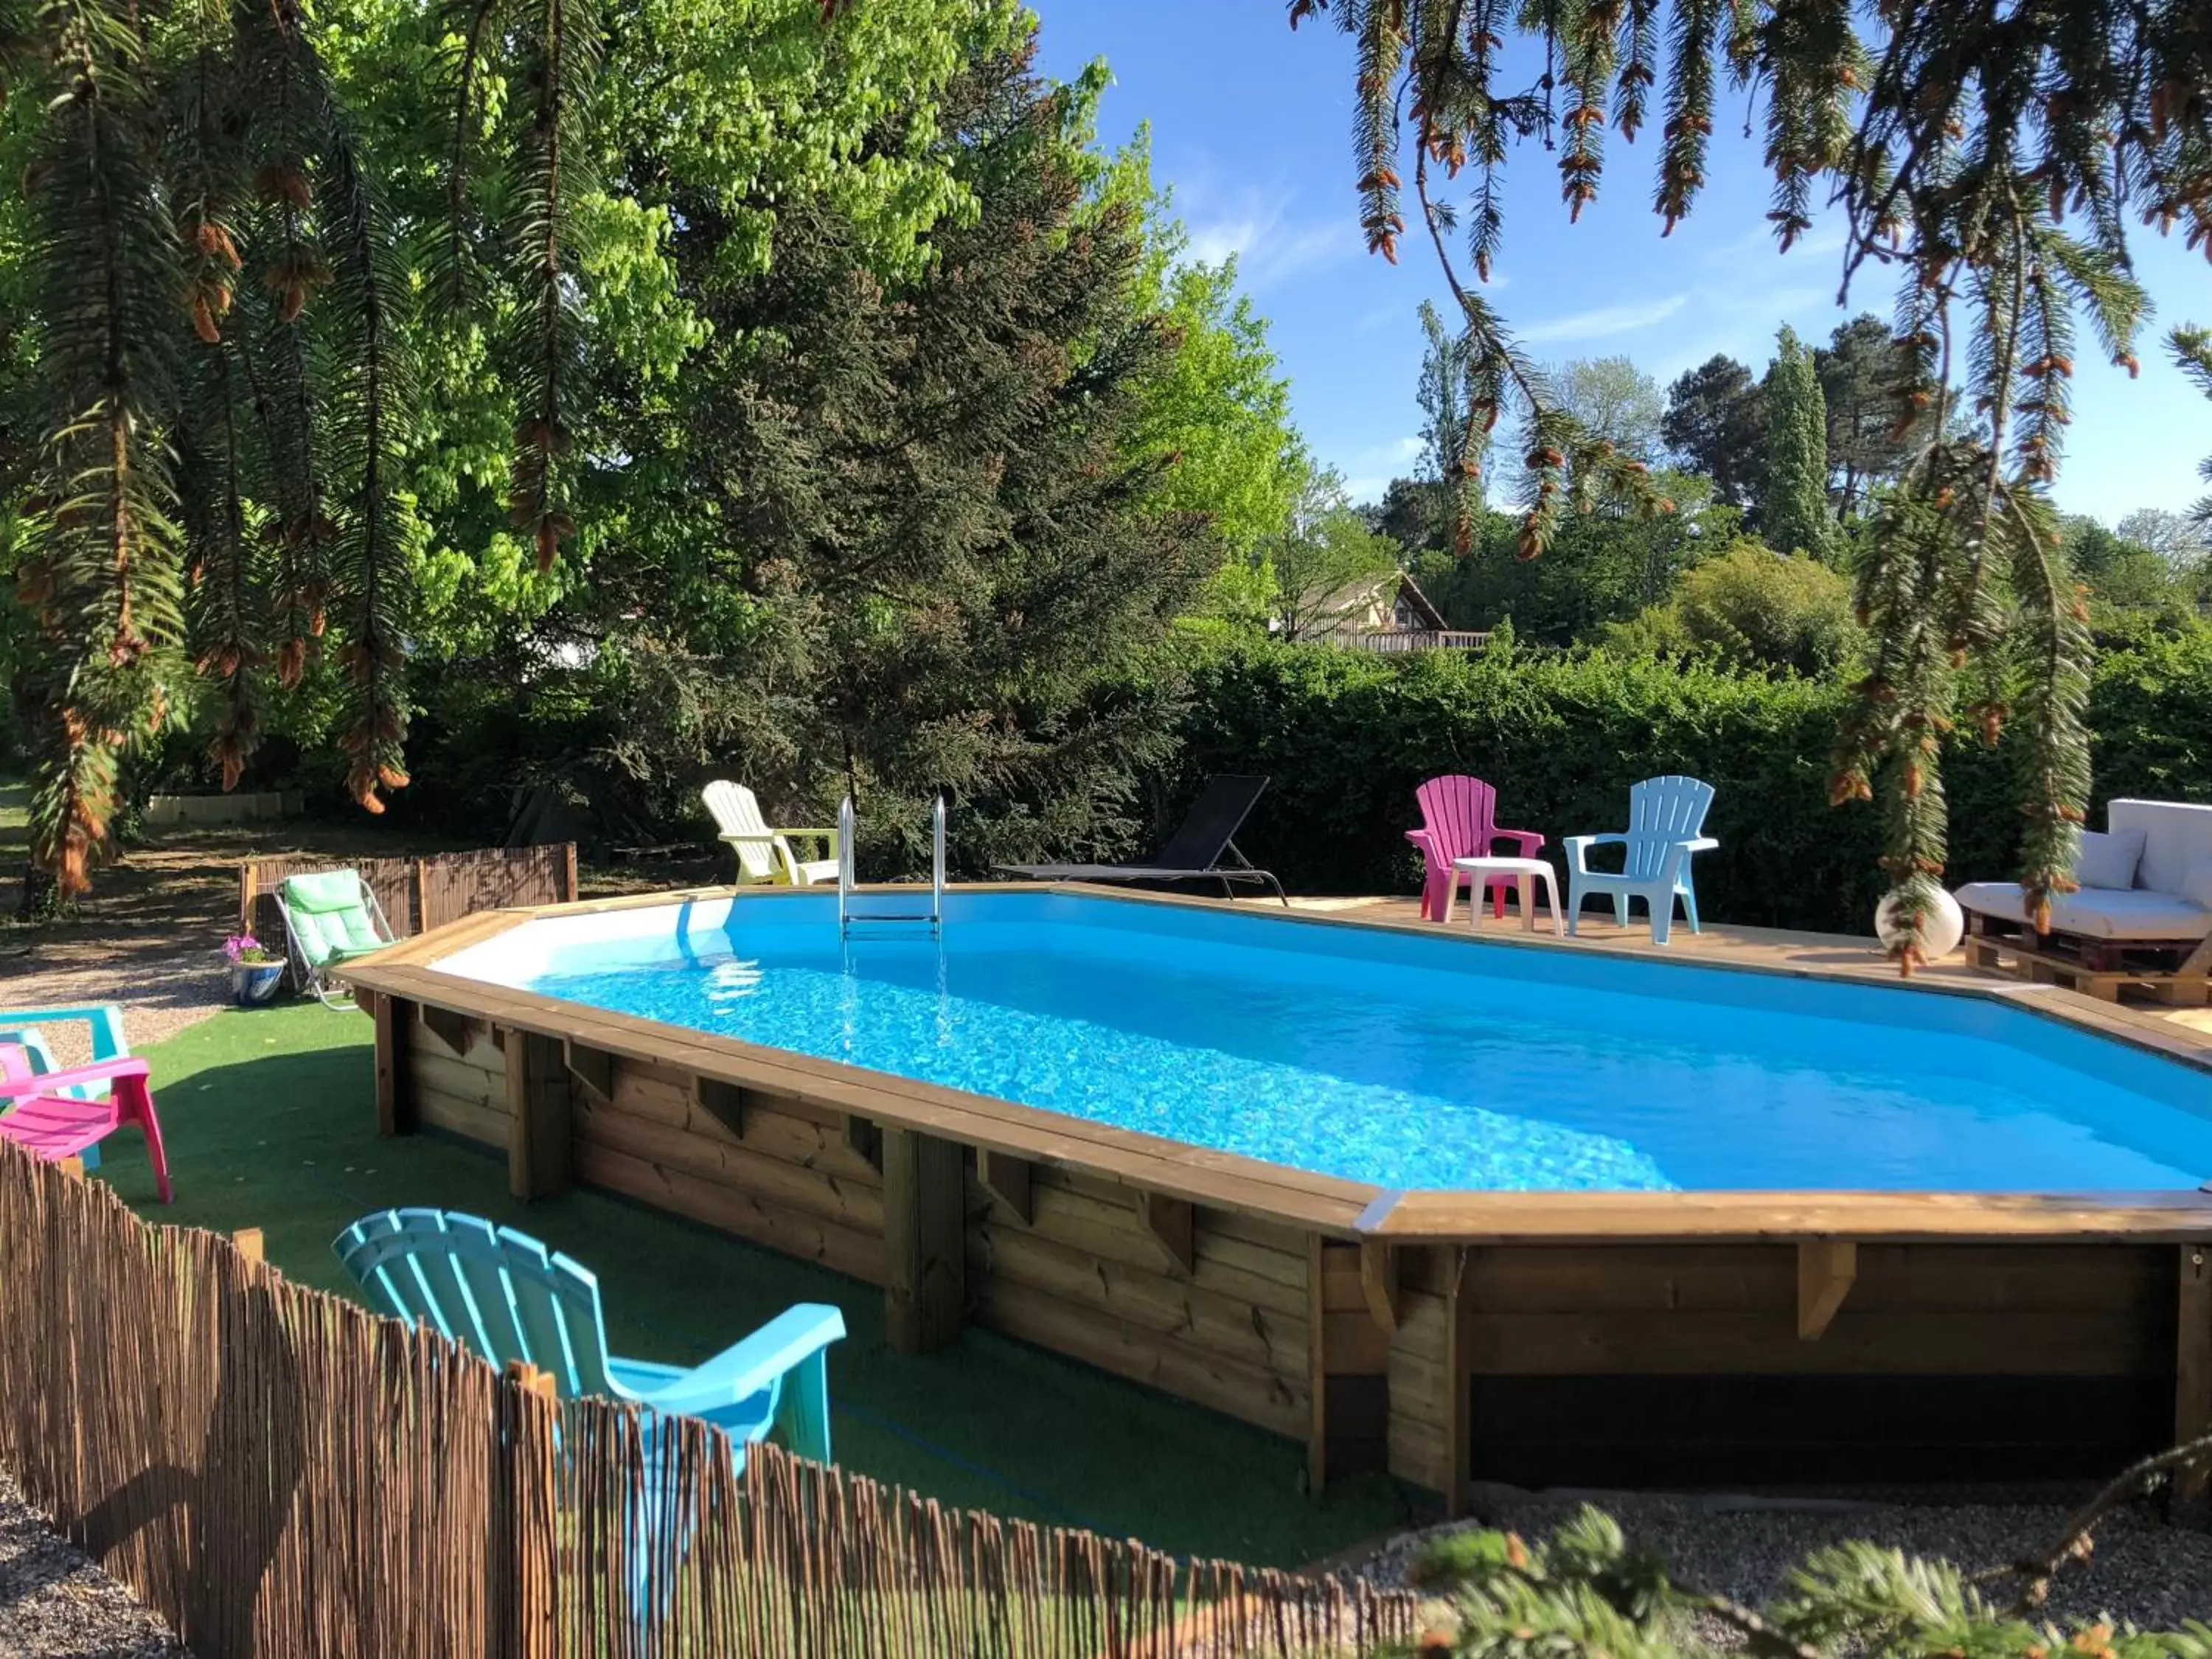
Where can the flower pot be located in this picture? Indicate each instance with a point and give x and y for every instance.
(253, 983)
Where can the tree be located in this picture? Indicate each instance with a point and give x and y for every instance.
(924, 540)
(1455, 441)
(1218, 412)
(1614, 402)
(1757, 608)
(241, 420)
(1324, 563)
(1716, 423)
(1793, 502)
(2193, 349)
(1948, 170)
(2173, 537)
(1417, 515)
(1860, 370)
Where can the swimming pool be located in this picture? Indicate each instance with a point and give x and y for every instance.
(1402, 1059)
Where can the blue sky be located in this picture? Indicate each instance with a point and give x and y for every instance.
(1251, 127)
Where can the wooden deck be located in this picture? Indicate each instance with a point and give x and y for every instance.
(1738, 1337)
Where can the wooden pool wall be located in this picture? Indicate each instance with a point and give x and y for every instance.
(1620, 1338)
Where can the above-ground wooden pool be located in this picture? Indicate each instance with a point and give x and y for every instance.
(1294, 1168)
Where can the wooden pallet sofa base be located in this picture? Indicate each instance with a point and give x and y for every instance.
(2097, 968)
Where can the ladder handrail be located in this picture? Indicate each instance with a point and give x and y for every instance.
(846, 883)
(845, 823)
(937, 863)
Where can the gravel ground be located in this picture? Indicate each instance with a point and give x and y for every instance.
(54, 1604)
(160, 993)
(2144, 1570)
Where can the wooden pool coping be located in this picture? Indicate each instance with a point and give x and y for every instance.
(1349, 1209)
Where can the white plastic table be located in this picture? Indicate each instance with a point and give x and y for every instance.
(1526, 873)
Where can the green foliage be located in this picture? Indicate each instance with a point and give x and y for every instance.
(1615, 401)
(1455, 438)
(1585, 1592)
(1955, 139)
(1754, 608)
(1860, 370)
(1216, 413)
(1325, 572)
(1715, 421)
(1604, 567)
(2193, 349)
(1348, 736)
(1793, 500)
(916, 536)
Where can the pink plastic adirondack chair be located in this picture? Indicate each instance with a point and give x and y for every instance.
(1459, 820)
(56, 1126)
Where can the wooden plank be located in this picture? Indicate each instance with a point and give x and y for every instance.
(723, 1102)
(778, 1226)
(1171, 1222)
(395, 1085)
(594, 1068)
(2192, 1364)
(1080, 1331)
(1827, 1269)
(1176, 1308)
(925, 1241)
(250, 1243)
(541, 1127)
(1009, 1180)
(439, 1073)
(1318, 1368)
(1108, 1232)
(741, 1168)
(1456, 1411)
(1790, 1218)
(1378, 1281)
(488, 1126)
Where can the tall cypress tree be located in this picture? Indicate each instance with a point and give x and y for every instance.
(1793, 508)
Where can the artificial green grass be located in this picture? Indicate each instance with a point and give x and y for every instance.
(270, 1121)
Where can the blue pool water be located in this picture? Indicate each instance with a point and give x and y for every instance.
(1422, 1061)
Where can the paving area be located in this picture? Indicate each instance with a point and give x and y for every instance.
(54, 1604)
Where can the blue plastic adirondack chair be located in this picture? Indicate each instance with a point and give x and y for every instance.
(505, 1296)
(1666, 825)
(22, 1027)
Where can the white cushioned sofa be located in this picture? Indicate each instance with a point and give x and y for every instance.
(2163, 852)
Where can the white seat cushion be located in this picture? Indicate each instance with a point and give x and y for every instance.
(2133, 913)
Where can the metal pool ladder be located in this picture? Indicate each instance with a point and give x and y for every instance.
(847, 918)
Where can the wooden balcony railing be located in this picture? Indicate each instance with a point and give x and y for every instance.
(1414, 638)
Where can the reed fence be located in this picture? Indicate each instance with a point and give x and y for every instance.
(420, 894)
(278, 1472)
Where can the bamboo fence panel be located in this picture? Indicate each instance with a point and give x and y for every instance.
(277, 1471)
(420, 894)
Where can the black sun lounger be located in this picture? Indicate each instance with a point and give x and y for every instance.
(1195, 852)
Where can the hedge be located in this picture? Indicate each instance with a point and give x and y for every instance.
(1346, 736)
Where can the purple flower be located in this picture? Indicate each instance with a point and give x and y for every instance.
(244, 948)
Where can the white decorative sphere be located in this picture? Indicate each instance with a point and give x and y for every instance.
(1942, 926)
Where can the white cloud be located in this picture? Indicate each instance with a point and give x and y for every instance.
(1258, 232)
(1605, 320)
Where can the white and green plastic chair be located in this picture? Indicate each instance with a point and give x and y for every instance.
(764, 854)
(331, 917)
